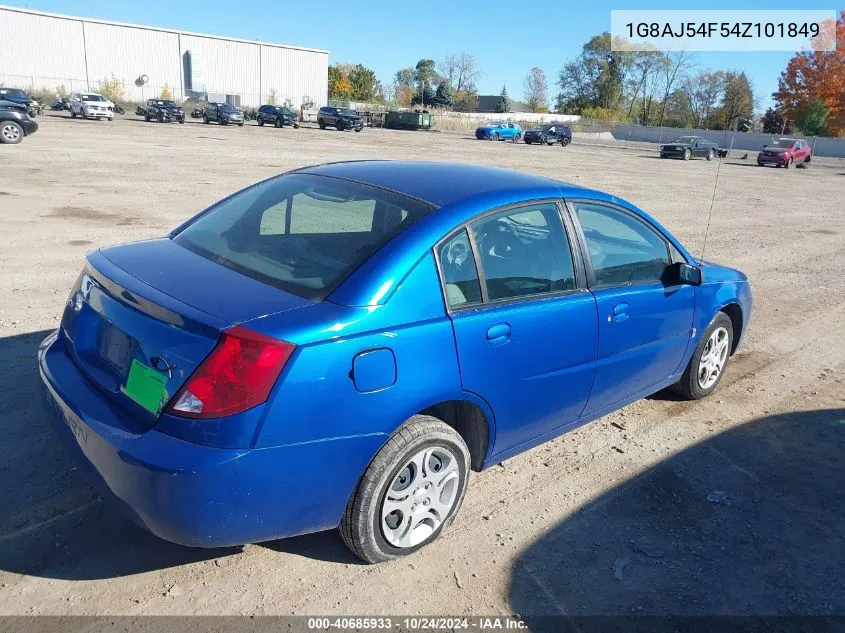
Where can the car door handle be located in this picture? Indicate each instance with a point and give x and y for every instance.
(620, 312)
(499, 333)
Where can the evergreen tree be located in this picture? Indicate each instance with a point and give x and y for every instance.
(443, 97)
(504, 102)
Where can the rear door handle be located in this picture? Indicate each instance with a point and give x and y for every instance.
(620, 312)
(498, 334)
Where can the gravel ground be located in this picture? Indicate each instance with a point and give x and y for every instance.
(613, 518)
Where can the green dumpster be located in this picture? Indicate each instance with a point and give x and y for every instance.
(408, 120)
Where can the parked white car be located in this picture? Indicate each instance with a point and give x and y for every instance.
(90, 105)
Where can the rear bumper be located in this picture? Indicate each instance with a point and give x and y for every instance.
(197, 495)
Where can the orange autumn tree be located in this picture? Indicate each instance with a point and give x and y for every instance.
(816, 75)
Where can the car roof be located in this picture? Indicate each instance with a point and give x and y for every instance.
(439, 184)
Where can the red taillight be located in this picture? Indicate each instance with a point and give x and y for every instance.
(237, 375)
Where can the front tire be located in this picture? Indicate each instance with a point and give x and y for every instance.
(789, 163)
(410, 492)
(494, 136)
(259, 120)
(321, 123)
(708, 362)
(205, 118)
(711, 155)
(11, 133)
(566, 141)
(278, 122)
(687, 154)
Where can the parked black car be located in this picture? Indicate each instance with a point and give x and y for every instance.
(276, 115)
(340, 118)
(223, 113)
(549, 135)
(15, 123)
(688, 146)
(163, 111)
(16, 95)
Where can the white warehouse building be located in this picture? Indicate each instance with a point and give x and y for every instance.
(45, 51)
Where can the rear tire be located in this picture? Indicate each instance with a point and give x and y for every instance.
(205, 118)
(72, 114)
(711, 155)
(517, 138)
(402, 476)
(566, 141)
(716, 345)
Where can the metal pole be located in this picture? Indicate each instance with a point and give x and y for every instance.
(627, 140)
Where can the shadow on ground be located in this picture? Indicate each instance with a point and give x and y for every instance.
(52, 524)
(749, 522)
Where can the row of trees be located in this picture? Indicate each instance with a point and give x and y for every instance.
(652, 88)
(449, 84)
(811, 92)
(645, 87)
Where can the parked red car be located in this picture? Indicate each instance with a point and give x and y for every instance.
(786, 152)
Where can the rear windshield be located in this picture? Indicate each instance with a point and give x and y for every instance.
(302, 233)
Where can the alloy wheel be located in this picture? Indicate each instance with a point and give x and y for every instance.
(713, 358)
(11, 133)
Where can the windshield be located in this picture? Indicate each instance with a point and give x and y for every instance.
(494, 124)
(685, 139)
(225, 107)
(345, 112)
(782, 142)
(92, 98)
(167, 104)
(302, 233)
(16, 93)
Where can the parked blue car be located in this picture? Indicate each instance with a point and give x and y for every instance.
(340, 345)
(498, 130)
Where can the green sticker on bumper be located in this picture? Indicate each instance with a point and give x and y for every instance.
(145, 386)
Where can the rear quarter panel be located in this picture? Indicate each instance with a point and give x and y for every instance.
(317, 398)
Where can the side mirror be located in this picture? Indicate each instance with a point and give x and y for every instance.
(687, 274)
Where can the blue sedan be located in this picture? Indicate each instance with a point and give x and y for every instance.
(339, 346)
(498, 130)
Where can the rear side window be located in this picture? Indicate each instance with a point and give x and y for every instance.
(623, 249)
(524, 252)
(460, 275)
(302, 233)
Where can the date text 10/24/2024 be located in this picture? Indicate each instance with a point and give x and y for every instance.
(420, 623)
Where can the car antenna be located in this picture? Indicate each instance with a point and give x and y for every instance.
(712, 202)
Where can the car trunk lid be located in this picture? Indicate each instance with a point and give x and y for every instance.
(143, 316)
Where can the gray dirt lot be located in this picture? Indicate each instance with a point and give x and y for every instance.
(610, 519)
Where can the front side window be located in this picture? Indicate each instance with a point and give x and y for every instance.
(302, 233)
(623, 249)
(524, 251)
(460, 275)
